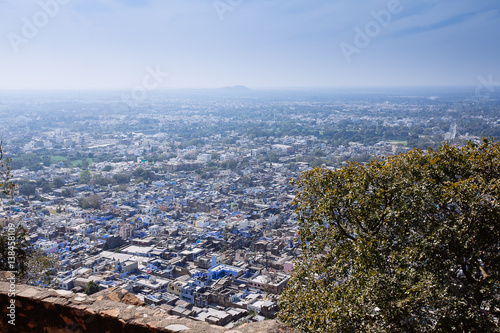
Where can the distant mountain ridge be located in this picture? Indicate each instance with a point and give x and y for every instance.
(236, 89)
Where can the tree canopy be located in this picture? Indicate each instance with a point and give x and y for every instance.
(6, 186)
(16, 252)
(410, 243)
(28, 189)
(58, 182)
(14, 257)
(121, 178)
(92, 201)
(92, 288)
(85, 177)
(17, 255)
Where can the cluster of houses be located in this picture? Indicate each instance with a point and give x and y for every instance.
(213, 249)
(205, 229)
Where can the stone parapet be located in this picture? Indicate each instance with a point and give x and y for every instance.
(58, 311)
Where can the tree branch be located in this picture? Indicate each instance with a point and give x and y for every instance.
(343, 231)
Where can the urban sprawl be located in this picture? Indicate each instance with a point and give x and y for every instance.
(186, 201)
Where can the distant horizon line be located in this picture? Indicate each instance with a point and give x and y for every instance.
(249, 88)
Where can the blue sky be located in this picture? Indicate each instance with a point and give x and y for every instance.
(109, 44)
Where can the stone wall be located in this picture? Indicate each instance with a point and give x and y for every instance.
(58, 311)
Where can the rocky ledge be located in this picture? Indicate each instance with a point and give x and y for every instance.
(31, 309)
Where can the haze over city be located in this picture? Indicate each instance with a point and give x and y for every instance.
(249, 166)
(108, 44)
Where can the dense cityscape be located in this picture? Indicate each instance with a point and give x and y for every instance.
(186, 201)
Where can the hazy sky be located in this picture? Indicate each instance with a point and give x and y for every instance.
(92, 44)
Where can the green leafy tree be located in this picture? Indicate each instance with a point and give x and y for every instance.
(41, 268)
(273, 157)
(46, 188)
(92, 288)
(14, 246)
(28, 189)
(6, 185)
(406, 244)
(46, 160)
(58, 182)
(317, 162)
(229, 164)
(103, 181)
(14, 249)
(35, 167)
(68, 192)
(85, 164)
(122, 188)
(17, 255)
(121, 178)
(85, 177)
(92, 201)
(246, 180)
(140, 173)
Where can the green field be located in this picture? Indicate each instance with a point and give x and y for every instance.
(398, 143)
(76, 162)
(55, 159)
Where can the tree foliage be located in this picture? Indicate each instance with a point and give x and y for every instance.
(14, 249)
(68, 192)
(28, 189)
(6, 186)
(41, 268)
(92, 288)
(92, 201)
(121, 178)
(17, 255)
(85, 164)
(58, 182)
(85, 177)
(406, 244)
(102, 181)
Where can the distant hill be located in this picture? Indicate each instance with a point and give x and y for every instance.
(234, 89)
